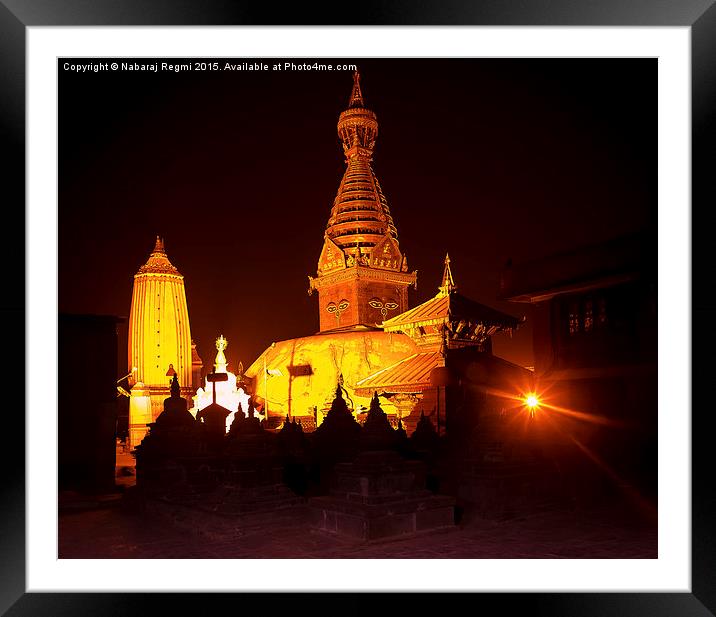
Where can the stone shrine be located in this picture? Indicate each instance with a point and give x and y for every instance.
(380, 495)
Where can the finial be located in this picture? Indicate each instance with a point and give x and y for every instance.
(220, 360)
(159, 246)
(356, 99)
(448, 283)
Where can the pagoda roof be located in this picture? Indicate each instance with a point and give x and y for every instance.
(451, 306)
(412, 374)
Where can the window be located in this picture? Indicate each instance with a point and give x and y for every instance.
(588, 315)
(573, 318)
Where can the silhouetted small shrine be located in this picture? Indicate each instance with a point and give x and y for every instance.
(377, 433)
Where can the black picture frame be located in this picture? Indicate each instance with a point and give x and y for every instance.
(17, 15)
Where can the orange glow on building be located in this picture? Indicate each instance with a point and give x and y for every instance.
(362, 276)
(369, 339)
(159, 336)
(230, 393)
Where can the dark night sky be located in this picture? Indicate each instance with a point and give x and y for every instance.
(487, 159)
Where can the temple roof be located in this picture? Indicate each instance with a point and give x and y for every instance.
(451, 318)
(412, 373)
(158, 262)
(453, 306)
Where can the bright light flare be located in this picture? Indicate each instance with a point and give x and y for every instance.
(532, 401)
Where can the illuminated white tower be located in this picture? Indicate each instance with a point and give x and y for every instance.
(159, 338)
(230, 393)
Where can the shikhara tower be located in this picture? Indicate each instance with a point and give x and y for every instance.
(363, 275)
(159, 337)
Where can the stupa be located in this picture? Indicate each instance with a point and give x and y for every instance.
(362, 278)
(230, 392)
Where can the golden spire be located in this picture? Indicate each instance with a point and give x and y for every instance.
(448, 283)
(357, 125)
(158, 262)
(159, 246)
(356, 99)
(360, 218)
(220, 361)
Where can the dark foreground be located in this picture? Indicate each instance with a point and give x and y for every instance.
(107, 530)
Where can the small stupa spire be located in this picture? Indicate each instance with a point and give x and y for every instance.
(159, 246)
(356, 99)
(448, 283)
(174, 388)
(220, 360)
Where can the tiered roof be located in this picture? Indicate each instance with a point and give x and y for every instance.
(360, 229)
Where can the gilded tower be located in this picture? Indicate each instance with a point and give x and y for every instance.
(159, 338)
(363, 275)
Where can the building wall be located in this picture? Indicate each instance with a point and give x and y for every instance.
(604, 368)
(310, 368)
(613, 326)
(87, 410)
(359, 293)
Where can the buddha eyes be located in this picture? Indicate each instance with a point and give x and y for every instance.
(378, 304)
(340, 307)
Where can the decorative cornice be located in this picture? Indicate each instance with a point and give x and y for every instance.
(363, 273)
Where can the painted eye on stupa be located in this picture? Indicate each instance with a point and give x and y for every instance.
(375, 303)
(391, 305)
(332, 308)
(343, 305)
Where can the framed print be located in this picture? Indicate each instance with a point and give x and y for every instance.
(332, 316)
